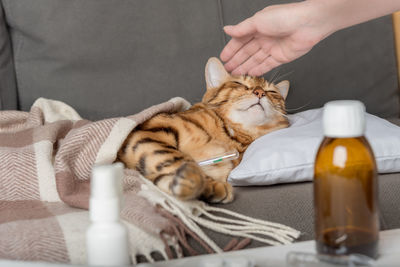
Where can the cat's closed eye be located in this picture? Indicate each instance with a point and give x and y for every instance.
(241, 85)
(273, 92)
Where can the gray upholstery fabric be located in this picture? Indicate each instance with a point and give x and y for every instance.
(290, 204)
(110, 58)
(8, 88)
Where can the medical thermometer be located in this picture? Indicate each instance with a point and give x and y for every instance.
(231, 155)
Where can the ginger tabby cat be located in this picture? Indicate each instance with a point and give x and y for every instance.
(233, 113)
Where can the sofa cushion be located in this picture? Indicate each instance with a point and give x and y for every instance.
(356, 63)
(110, 58)
(8, 89)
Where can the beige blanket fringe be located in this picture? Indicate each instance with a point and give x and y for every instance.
(197, 213)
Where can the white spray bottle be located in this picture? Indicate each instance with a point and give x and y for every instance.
(106, 237)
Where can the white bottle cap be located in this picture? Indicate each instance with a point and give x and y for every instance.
(107, 180)
(106, 192)
(344, 119)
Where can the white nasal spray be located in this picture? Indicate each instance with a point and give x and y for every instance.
(106, 237)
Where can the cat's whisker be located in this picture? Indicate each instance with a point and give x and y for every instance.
(274, 76)
(282, 114)
(284, 75)
(303, 106)
(278, 109)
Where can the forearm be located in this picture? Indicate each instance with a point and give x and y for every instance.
(339, 14)
(281, 33)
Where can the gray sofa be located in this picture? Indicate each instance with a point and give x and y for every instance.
(111, 58)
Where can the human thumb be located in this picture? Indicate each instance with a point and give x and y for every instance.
(244, 28)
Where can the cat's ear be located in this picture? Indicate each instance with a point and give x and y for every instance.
(215, 72)
(283, 88)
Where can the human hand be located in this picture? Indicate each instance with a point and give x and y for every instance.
(273, 36)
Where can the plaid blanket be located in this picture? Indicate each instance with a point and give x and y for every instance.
(46, 159)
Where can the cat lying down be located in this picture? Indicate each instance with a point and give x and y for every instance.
(234, 111)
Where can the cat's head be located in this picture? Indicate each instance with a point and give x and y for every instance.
(251, 103)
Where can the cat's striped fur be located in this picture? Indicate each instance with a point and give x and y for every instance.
(233, 113)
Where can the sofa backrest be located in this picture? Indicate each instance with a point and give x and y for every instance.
(113, 58)
(8, 87)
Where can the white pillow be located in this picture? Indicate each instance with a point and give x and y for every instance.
(287, 155)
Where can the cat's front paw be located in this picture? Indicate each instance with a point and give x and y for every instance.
(188, 182)
(218, 192)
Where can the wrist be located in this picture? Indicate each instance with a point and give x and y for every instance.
(317, 17)
(334, 15)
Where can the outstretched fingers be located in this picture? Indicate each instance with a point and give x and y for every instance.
(242, 29)
(246, 52)
(255, 60)
(233, 46)
(241, 34)
(267, 65)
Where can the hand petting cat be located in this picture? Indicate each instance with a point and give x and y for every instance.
(279, 34)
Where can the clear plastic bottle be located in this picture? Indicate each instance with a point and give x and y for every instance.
(345, 184)
(106, 237)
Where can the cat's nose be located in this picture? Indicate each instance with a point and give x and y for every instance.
(259, 92)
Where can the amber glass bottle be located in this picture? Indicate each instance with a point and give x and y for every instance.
(345, 184)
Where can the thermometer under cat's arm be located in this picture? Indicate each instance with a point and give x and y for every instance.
(231, 155)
